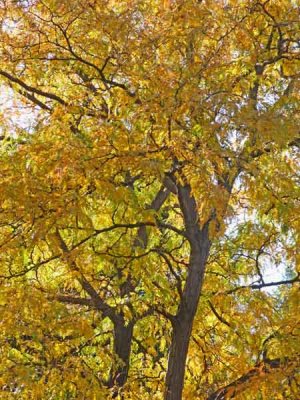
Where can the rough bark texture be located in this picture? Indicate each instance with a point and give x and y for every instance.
(183, 322)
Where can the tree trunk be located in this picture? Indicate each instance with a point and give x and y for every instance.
(183, 322)
(122, 348)
(182, 327)
(177, 358)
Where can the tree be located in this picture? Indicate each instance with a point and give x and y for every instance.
(148, 186)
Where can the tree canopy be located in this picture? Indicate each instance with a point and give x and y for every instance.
(149, 199)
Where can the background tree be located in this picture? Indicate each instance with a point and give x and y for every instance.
(149, 179)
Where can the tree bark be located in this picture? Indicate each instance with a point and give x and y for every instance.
(177, 359)
(122, 348)
(183, 321)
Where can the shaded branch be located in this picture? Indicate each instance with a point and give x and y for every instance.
(34, 100)
(74, 300)
(32, 89)
(219, 316)
(32, 267)
(172, 270)
(239, 385)
(263, 285)
(111, 228)
(141, 239)
(96, 300)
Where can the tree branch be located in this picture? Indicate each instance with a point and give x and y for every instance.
(32, 89)
(74, 300)
(96, 300)
(263, 285)
(219, 316)
(239, 385)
